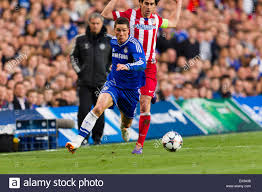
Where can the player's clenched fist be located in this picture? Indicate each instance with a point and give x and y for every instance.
(121, 67)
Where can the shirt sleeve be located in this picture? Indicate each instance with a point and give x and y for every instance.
(126, 14)
(75, 56)
(139, 58)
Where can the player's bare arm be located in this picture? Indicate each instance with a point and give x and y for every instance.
(107, 12)
(172, 21)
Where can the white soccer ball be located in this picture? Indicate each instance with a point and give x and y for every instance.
(172, 141)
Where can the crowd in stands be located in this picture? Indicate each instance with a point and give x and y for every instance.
(215, 51)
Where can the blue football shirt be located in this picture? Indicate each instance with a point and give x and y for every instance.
(131, 54)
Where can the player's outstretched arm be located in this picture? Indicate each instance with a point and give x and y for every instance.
(138, 57)
(107, 12)
(138, 54)
(172, 21)
(139, 65)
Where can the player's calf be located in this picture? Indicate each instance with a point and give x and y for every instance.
(145, 118)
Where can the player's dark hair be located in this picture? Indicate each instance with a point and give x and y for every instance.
(122, 20)
(156, 1)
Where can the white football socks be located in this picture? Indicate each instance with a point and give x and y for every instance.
(86, 127)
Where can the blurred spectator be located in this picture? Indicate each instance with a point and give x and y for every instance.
(40, 99)
(204, 45)
(225, 86)
(71, 29)
(215, 86)
(48, 95)
(239, 89)
(177, 93)
(72, 97)
(61, 81)
(3, 102)
(171, 53)
(52, 46)
(249, 86)
(203, 92)
(40, 81)
(65, 96)
(190, 48)
(257, 61)
(181, 64)
(3, 78)
(59, 101)
(18, 77)
(259, 87)
(166, 91)
(11, 84)
(166, 40)
(10, 98)
(27, 84)
(20, 101)
(32, 98)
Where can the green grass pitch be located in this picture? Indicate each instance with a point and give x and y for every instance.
(238, 153)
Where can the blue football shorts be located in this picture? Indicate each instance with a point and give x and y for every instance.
(125, 99)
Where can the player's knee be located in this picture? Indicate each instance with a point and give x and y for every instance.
(144, 105)
(144, 108)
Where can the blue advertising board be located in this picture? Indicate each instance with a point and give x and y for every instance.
(165, 116)
(10, 116)
(252, 106)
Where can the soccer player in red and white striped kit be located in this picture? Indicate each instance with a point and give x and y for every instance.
(144, 25)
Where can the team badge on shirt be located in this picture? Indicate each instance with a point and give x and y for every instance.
(125, 50)
(102, 46)
(86, 46)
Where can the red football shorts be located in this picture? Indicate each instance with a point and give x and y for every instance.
(151, 81)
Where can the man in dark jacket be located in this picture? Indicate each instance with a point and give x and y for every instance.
(3, 102)
(91, 59)
(20, 102)
(190, 48)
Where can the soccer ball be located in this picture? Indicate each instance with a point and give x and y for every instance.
(172, 141)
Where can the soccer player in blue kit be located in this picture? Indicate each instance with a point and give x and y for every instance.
(122, 85)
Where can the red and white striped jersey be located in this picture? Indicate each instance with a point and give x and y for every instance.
(143, 29)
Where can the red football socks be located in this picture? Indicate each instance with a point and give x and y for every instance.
(144, 123)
